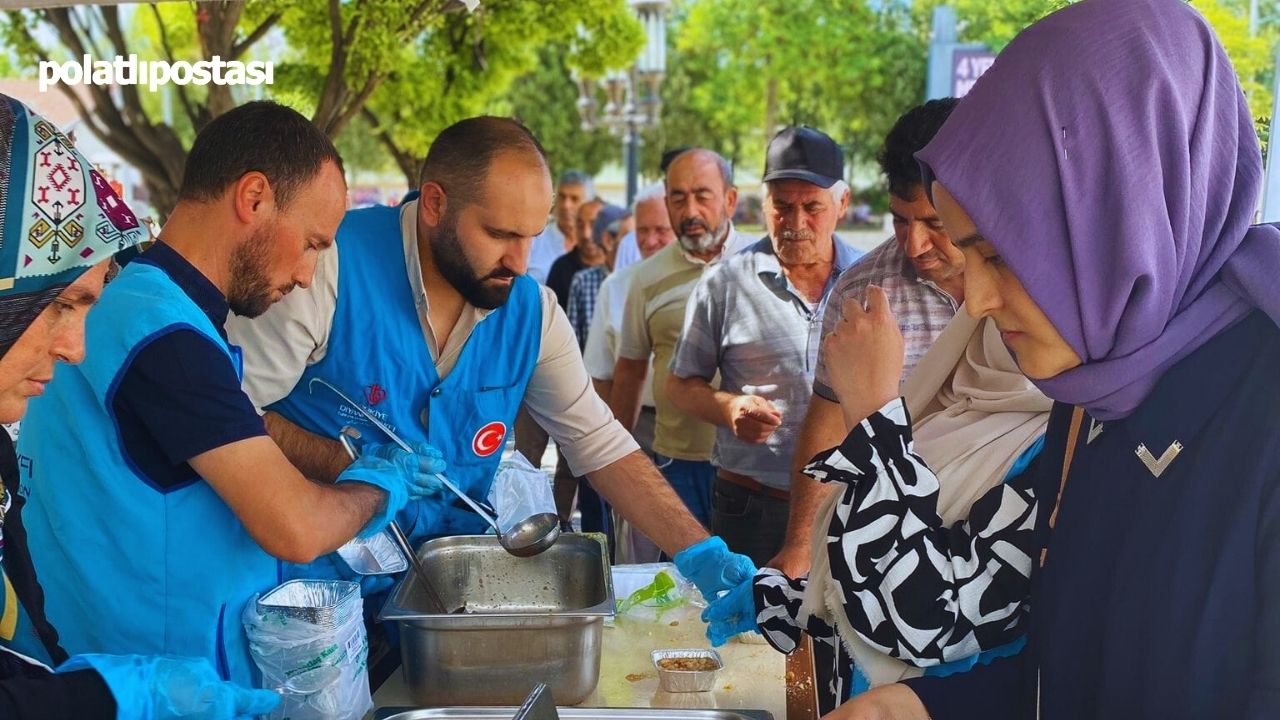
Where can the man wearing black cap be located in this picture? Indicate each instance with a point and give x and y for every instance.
(921, 271)
(754, 319)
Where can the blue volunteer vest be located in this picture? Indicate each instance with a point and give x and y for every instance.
(377, 355)
(127, 566)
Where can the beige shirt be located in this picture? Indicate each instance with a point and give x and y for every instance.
(601, 351)
(652, 319)
(280, 344)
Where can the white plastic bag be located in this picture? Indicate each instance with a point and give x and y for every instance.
(519, 491)
(308, 639)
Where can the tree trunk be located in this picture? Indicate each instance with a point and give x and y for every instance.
(120, 121)
(408, 163)
(216, 24)
(770, 107)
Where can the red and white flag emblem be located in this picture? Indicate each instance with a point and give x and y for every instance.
(488, 439)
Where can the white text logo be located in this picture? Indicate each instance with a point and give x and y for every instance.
(154, 73)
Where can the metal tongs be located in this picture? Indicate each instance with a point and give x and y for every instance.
(539, 705)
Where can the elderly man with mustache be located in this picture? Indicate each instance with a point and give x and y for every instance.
(754, 319)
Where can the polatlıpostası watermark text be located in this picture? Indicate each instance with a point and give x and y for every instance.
(154, 73)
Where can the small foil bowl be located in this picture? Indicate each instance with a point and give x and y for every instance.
(324, 603)
(683, 681)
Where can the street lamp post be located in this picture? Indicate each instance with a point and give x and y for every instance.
(632, 100)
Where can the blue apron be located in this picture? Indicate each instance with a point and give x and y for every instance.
(377, 354)
(129, 566)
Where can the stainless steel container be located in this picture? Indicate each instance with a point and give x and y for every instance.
(678, 681)
(571, 713)
(526, 620)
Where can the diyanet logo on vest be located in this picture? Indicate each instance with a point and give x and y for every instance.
(488, 439)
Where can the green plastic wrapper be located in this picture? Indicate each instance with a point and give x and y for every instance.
(660, 596)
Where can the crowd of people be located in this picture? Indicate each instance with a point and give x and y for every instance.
(1016, 461)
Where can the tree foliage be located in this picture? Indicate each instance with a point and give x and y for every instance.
(409, 67)
(546, 101)
(996, 24)
(743, 68)
(746, 68)
(471, 64)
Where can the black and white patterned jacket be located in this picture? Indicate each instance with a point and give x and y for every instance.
(915, 590)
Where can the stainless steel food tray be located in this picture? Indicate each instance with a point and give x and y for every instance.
(570, 580)
(570, 713)
(527, 620)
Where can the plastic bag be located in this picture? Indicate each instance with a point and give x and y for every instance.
(308, 639)
(648, 592)
(519, 491)
(630, 545)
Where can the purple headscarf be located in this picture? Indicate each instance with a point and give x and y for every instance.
(1108, 155)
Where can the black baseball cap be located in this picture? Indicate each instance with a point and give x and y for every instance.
(803, 153)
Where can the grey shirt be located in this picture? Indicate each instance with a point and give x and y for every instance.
(746, 321)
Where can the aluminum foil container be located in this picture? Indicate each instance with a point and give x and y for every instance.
(377, 555)
(323, 603)
(677, 681)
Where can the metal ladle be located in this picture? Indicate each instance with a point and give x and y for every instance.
(524, 539)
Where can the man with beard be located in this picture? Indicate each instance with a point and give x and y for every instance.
(425, 315)
(157, 505)
(701, 199)
(753, 319)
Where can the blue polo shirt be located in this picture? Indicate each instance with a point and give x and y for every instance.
(179, 397)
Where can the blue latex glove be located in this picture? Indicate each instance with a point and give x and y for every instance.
(733, 613)
(714, 569)
(405, 476)
(164, 688)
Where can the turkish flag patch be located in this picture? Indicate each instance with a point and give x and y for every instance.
(488, 439)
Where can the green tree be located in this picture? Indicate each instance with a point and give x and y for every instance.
(996, 24)
(745, 68)
(1251, 55)
(546, 101)
(742, 68)
(472, 64)
(410, 66)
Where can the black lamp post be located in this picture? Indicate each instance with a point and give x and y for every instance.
(632, 100)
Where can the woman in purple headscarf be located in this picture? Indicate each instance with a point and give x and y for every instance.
(1101, 180)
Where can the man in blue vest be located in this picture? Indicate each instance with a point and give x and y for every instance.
(158, 504)
(425, 316)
